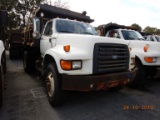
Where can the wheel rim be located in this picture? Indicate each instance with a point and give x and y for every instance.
(50, 84)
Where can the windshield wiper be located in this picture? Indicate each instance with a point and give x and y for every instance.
(140, 39)
(65, 31)
(87, 33)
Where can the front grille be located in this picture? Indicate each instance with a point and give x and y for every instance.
(110, 57)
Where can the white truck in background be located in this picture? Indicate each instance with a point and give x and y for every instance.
(152, 38)
(70, 56)
(3, 24)
(147, 53)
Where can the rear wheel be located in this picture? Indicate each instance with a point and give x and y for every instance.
(139, 80)
(28, 62)
(13, 51)
(53, 85)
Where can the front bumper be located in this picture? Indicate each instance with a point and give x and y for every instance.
(97, 82)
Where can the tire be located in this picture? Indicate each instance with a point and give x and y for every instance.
(3, 62)
(139, 80)
(1, 86)
(12, 52)
(15, 51)
(28, 62)
(53, 81)
(151, 71)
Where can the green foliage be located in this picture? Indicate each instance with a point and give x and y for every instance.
(18, 10)
(137, 27)
(61, 4)
(152, 30)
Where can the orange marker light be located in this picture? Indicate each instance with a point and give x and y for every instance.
(130, 49)
(148, 59)
(145, 48)
(66, 65)
(66, 48)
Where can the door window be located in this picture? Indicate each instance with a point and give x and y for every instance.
(48, 30)
(114, 34)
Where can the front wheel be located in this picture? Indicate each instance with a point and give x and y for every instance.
(53, 85)
(139, 80)
(151, 71)
(28, 62)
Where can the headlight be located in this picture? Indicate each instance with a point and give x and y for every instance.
(76, 64)
(71, 64)
(150, 59)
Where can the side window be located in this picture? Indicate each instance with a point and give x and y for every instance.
(48, 29)
(148, 38)
(152, 39)
(114, 34)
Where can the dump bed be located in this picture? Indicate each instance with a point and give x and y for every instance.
(54, 12)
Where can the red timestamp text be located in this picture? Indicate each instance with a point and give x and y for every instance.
(138, 107)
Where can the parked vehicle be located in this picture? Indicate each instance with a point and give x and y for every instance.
(70, 56)
(147, 53)
(3, 24)
(153, 38)
(16, 41)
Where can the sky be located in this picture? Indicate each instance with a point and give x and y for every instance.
(124, 12)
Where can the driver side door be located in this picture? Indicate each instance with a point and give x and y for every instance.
(46, 41)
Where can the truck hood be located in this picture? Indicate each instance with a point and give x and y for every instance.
(86, 40)
(153, 46)
(82, 44)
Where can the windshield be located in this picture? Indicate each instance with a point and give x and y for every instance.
(132, 35)
(158, 38)
(67, 26)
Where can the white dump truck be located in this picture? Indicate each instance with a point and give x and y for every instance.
(147, 53)
(69, 55)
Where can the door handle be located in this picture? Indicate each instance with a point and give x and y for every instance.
(50, 39)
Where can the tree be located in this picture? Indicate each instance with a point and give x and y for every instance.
(18, 10)
(158, 32)
(151, 30)
(23, 8)
(61, 4)
(137, 27)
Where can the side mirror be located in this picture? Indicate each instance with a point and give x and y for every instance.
(36, 28)
(36, 35)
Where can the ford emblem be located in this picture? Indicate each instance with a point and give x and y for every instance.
(115, 57)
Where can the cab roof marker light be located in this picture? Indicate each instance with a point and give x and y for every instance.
(146, 48)
(66, 48)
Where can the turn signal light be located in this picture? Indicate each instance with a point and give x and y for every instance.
(150, 59)
(66, 48)
(66, 65)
